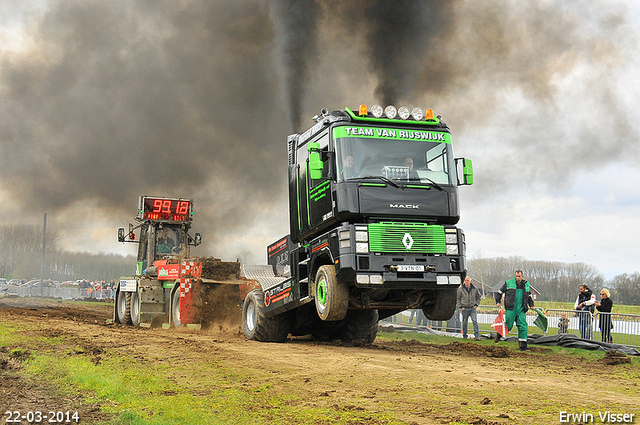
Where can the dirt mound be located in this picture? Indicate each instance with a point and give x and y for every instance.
(478, 350)
(614, 357)
(214, 268)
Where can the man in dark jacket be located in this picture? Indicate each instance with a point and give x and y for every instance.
(467, 300)
(517, 300)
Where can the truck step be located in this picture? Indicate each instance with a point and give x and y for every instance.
(254, 271)
(263, 274)
(304, 262)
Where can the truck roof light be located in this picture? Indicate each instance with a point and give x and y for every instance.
(417, 114)
(377, 110)
(390, 111)
(429, 115)
(362, 111)
(404, 112)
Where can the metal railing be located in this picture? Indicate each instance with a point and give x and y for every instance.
(622, 328)
(60, 292)
(625, 331)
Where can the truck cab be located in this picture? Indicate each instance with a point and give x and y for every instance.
(373, 199)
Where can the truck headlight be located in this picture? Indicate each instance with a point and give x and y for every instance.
(451, 238)
(377, 110)
(362, 279)
(376, 279)
(362, 247)
(390, 111)
(362, 236)
(452, 249)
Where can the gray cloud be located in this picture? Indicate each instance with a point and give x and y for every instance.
(109, 100)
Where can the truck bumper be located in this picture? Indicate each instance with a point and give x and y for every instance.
(377, 271)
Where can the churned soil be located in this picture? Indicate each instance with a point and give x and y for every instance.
(467, 382)
(215, 269)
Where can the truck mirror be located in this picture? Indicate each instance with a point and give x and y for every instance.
(467, 171)
(315, 166)
(121, 234)
(198, 239)
(315, 161)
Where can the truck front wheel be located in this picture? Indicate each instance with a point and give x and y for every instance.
(332, 298)
(443, 306)
(257, 326)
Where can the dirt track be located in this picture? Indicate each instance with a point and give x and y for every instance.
(463, 382)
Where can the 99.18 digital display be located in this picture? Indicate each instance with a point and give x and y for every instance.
(166, 209)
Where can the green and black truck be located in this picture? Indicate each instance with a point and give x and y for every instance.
(373, 199)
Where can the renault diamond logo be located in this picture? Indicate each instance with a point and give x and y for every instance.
(407, 241)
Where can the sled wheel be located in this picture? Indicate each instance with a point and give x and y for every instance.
(257, 326)
(175, 309)
(134, 308)
(122, 308)
(443, 306)
(332, 298)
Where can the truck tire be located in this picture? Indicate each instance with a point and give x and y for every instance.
(443, 307)
(361, 325)
(122, 308)
(332, 298)
(134, 308)
(257, 326)
(175, 310)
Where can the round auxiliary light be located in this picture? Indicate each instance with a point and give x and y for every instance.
(404, 112)
(377, 110)
(417, 114)
(390, 111)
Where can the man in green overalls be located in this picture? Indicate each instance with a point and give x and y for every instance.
(517, 300)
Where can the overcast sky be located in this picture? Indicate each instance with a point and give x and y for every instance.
(103, 101)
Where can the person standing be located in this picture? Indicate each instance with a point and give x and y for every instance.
(467, 300)
(585, 304)
(605, 307)
(517, 300)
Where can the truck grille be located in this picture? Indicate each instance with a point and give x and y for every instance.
(406, 237)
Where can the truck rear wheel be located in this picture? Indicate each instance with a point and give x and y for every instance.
(175, 309)
(122, 308)
(134, 303)
(443, 307)
(332, 298)
(257, 326)
(361, 325)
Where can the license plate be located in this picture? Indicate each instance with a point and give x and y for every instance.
(410, 268)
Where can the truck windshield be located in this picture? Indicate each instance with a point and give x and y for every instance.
(409, 156)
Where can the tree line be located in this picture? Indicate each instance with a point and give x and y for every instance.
(21, 258)
(556, 281)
